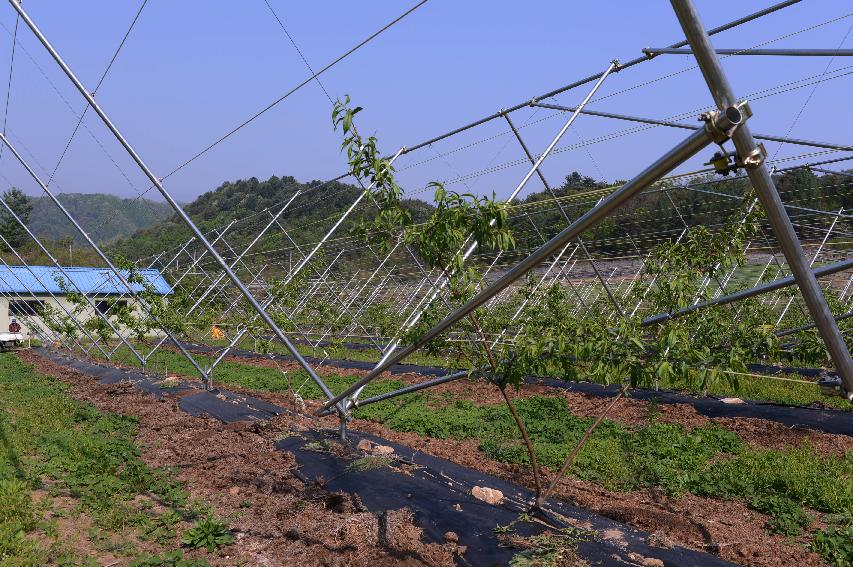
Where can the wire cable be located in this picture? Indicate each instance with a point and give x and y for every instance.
(283, 97)
(812, 92)
(97, 86)
(9, 82)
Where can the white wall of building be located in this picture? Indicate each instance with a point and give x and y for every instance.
(26, 321)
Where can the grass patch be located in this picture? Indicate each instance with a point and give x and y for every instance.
(61, 447)
(256, 378)
(370, 463)
(707, 461)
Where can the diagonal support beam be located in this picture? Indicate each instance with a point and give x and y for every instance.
(759, 175)
(169, 199)
(692, 145)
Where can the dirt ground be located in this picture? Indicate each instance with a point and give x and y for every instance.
(277, 519)
(727, 528)
(288, 523)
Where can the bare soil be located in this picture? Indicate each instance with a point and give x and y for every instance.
(74, 531)
(290, 523)
(275, 517)
(726, 528)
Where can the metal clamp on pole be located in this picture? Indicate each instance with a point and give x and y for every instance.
(721, 125)
(755, 158)
(759, 176)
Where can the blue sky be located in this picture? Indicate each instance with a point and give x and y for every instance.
(191, 70)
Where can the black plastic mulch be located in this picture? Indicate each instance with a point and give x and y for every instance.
(438, 492)
(825, 420)
(228, 407)
(820, 419)
(225, 406)
(110, 375)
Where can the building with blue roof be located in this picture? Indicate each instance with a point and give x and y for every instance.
(26, 290)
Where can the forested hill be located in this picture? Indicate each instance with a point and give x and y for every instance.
(252, 203)
(105, 217)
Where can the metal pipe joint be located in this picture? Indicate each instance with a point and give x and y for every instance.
(721, 124)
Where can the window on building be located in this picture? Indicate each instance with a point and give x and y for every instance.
(21, 307)
(106, 306)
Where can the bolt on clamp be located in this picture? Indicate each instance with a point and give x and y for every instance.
(754, 158)
(832, 386)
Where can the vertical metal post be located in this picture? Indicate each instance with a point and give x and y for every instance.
(746, 146)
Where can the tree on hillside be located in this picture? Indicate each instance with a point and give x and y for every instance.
(11, 230)
(576, 182)
(66, 244)
(802, 188)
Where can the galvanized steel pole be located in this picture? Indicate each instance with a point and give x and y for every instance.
(750, 152)
(749, 51)
(169, 199)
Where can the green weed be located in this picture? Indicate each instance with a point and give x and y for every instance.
(208, 533)
(551, 550)
(161, 528)
(47, 439)
(835, 544)
(369, 463)
(786, 516)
